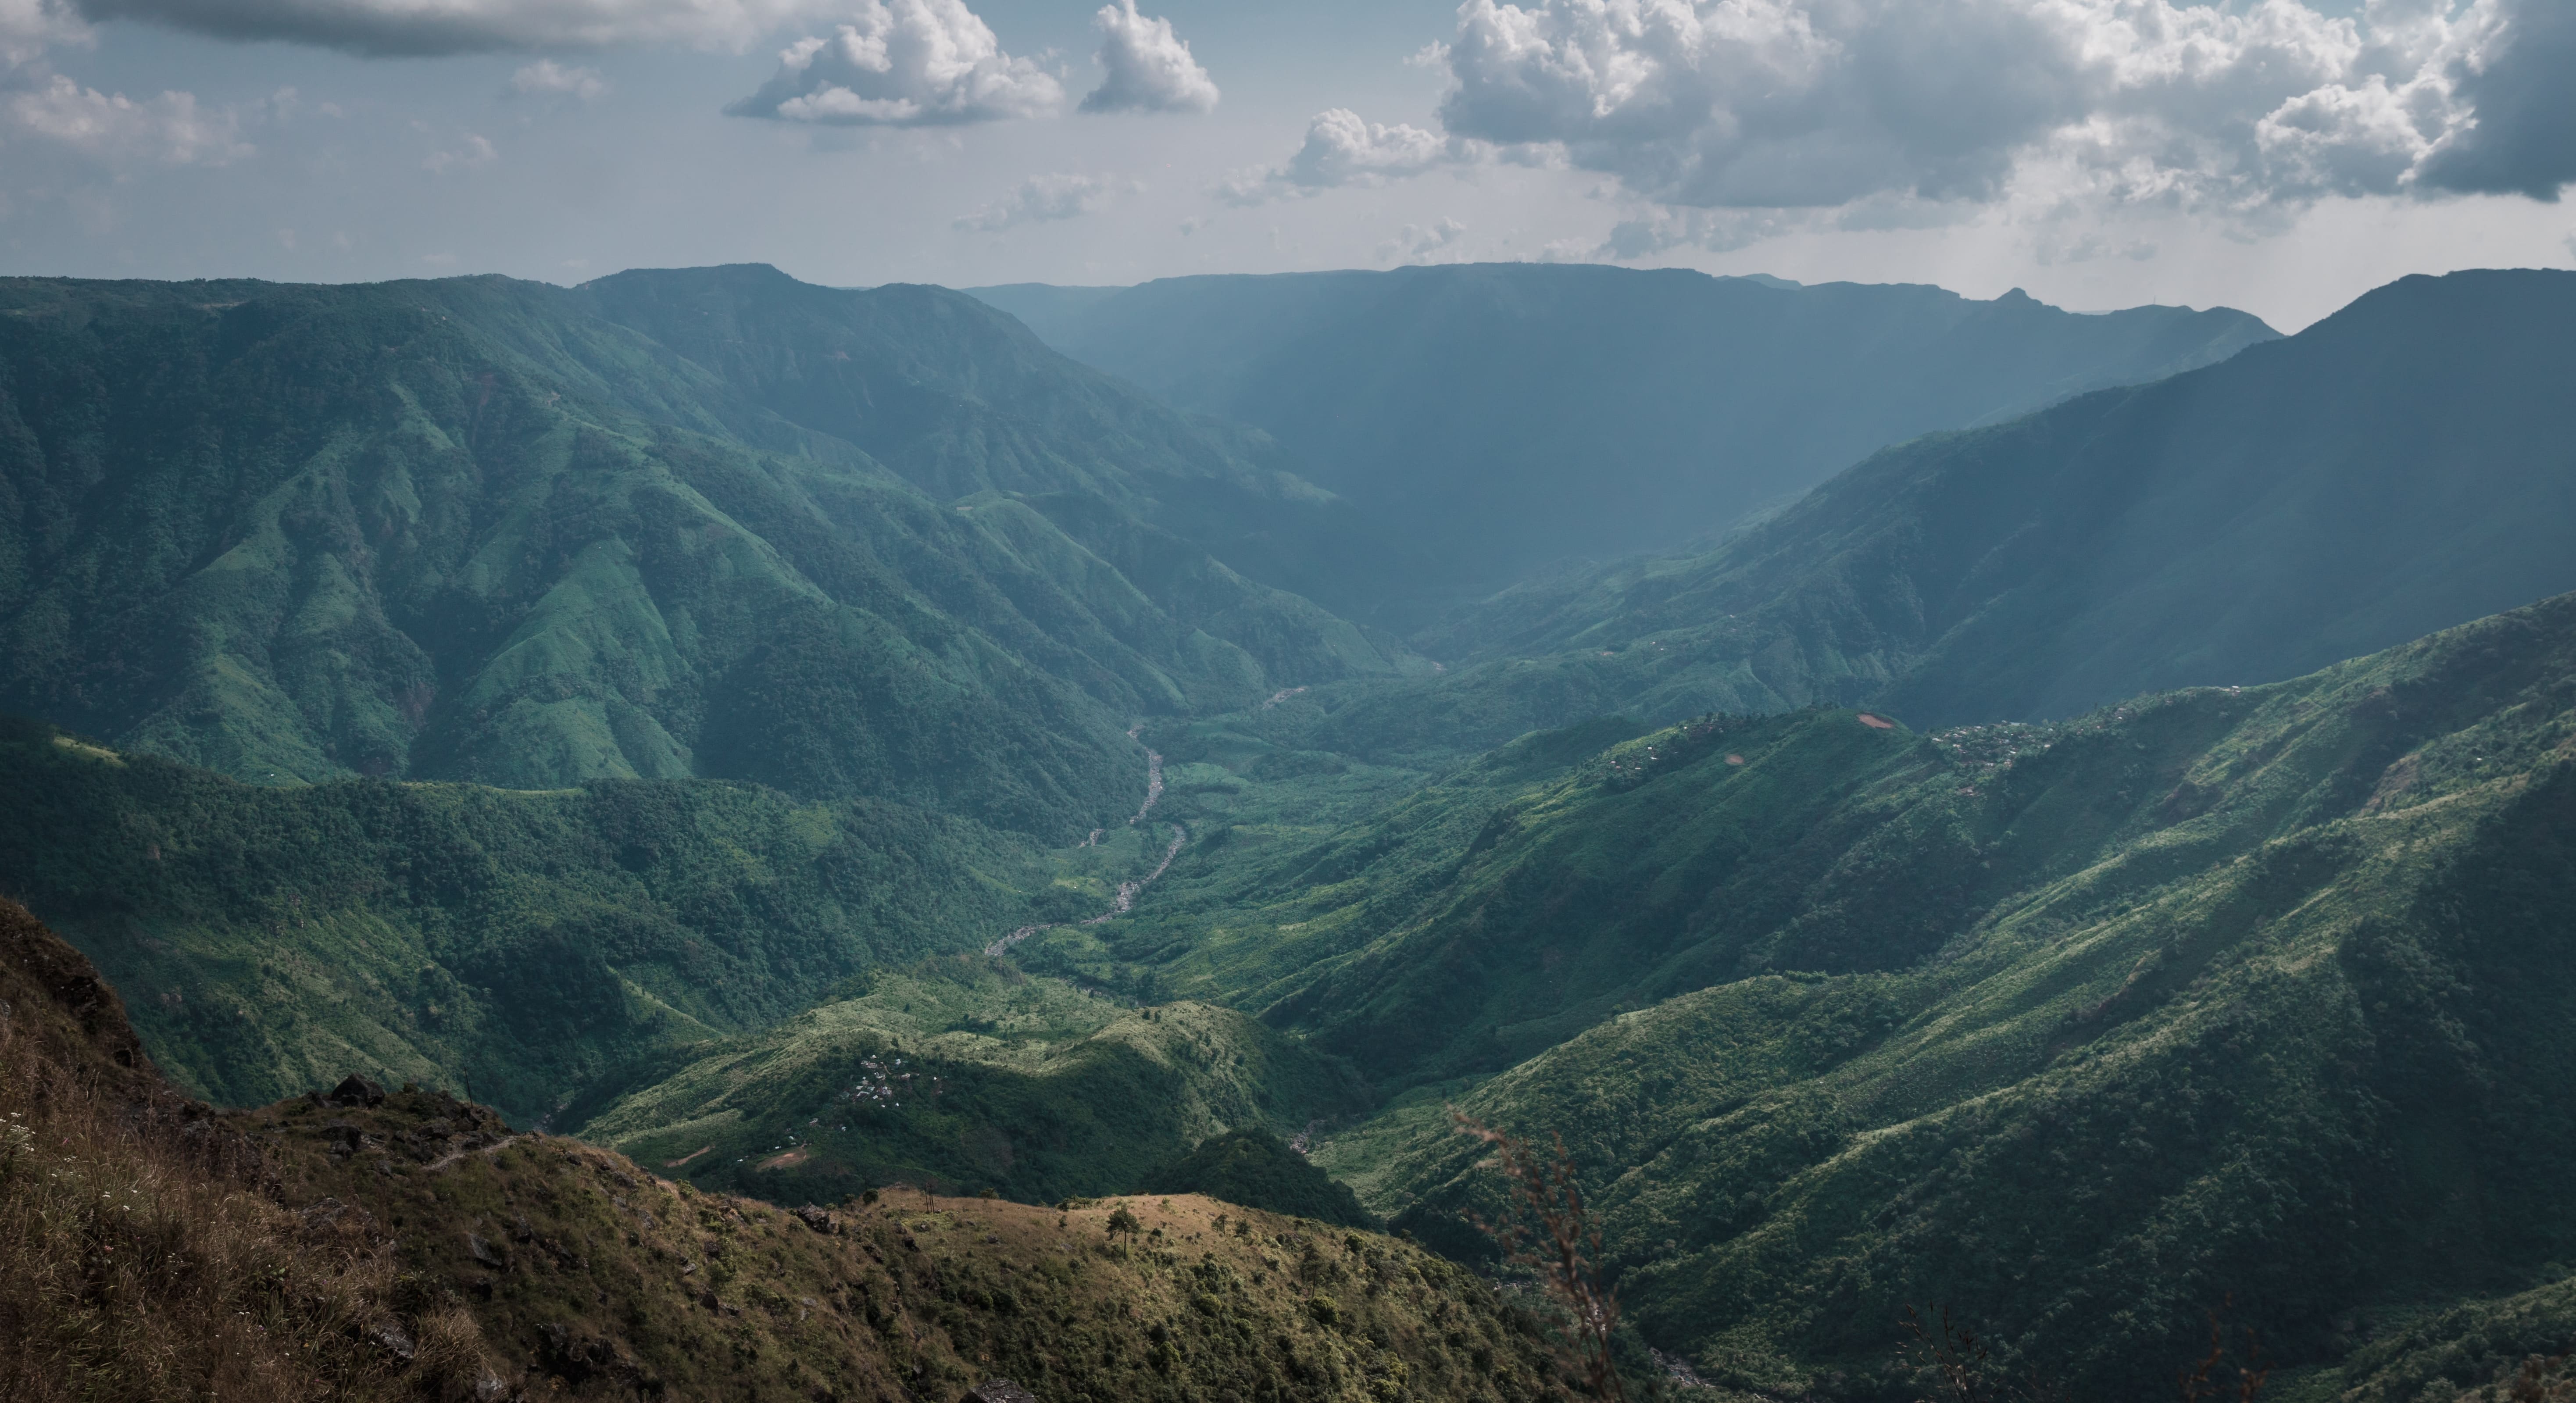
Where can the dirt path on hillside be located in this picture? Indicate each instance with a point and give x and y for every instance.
(453, 1156)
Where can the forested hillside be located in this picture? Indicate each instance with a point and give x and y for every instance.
(2255, 992)
(518, 944)
(1494, 419)
(473, 530)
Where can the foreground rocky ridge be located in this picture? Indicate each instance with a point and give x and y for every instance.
(366, 1244)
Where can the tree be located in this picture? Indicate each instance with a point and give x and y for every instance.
(1563, 1252)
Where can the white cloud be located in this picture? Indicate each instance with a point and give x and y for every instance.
(470, 26)
(547, 78)
(913, 63)
(28, 27)
(1415, 244)
(473, 151)
(1150, 68)
(172, 128)
(1039, 199)
(1826, 104)
(1343, 148)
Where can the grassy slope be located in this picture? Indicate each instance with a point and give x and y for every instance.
(965, 1074)
(2252, 991)
(415, 1249)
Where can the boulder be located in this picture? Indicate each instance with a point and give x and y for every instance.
(355, 1090)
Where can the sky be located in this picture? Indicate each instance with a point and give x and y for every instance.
(2275, 156)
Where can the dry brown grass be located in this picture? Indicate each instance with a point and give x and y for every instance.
(138, 1259)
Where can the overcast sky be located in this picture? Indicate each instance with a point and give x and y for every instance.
(2274, 156)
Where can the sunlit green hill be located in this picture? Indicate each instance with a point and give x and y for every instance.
(963, 1075)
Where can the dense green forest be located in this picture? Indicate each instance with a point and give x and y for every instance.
(517, 944)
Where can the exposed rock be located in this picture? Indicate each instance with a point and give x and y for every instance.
(998, 1391)
(355, 1090)
(394, 1340)
(576, 1357)
(818, 1219)
(486, 1253)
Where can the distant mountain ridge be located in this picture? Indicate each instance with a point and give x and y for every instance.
(2403, 466)
(1493, 419)
(476, 529)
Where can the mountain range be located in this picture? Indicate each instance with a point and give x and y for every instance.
(477, 530)
(2092, 869)
(2400, 467)
(1499, 419)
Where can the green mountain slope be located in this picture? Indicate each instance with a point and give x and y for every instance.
(473, 530)
(966, 1074)
(1257, 1168)
(520, 944)
(1498, 418)
(958, 399)
(2077, 1029)
(2402, 466)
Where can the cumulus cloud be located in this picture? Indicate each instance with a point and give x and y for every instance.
(1149, 67)
(2521, 90)
(547, 78)
(172, 128)
(1039, 199)
(911, 63)
(28, 27)
(1344, 148)
(1825, 104)
(412, 27)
